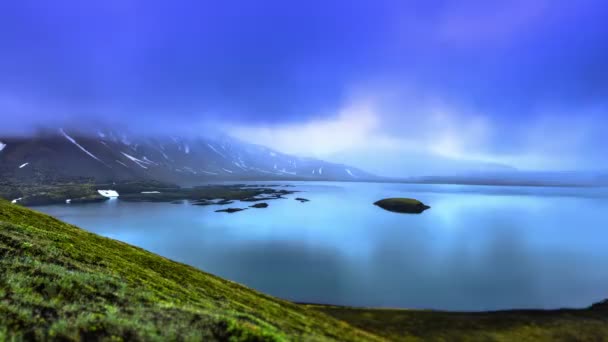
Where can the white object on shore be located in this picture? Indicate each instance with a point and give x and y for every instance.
(68, 201)
(16, 200)
(150, 192)
(108, 193)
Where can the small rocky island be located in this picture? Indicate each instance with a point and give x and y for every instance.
(230, 210)
(402, 205)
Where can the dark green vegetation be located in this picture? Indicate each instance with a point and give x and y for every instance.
(517, 325)
(60, 282)
(50, 194)
(140, 191)
(209, 202)
(402, 205)
(82, 191)
(209, 194)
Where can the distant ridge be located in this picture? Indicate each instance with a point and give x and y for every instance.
(106, 155)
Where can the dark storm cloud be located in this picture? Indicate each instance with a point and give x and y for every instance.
(246, 60)
(156, 64)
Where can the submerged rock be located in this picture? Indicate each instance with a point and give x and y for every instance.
(230, 210)
(202, 202)
(259, 205)
(256, 199)
(402, 205)
(208, 202)
(302, 200)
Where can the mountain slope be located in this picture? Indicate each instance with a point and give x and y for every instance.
(58, 281)
(109, 156)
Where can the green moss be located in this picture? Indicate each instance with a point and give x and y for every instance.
(516, 325)
(61, 282)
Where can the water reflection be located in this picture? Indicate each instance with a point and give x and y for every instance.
(476, 249)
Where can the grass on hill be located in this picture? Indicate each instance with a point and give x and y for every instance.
(510, 325)
(61, 282)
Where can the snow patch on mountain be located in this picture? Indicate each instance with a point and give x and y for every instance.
(209, 172)
(125, 140)
(146, 160)
(349, 172)
(229, 171)
(121, 163)
(78, 145)
(2, 146)
(321, 170)
(288, 172)
(139, 162)
(191, 170)
(23, 165)
(237, 164)
(264, 171)
(216, 151)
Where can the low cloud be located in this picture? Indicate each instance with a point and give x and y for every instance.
(352, 127)
(432, 136)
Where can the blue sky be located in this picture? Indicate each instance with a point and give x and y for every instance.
(385, 85)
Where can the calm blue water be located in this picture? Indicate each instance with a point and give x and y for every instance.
(477, 248)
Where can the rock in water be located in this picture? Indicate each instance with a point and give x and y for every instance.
(302, 200)
(230, 210)
(402, 205)
(259, 205)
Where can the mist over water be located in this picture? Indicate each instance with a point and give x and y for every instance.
(477, 248)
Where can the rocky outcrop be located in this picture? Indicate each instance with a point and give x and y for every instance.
(402, 205)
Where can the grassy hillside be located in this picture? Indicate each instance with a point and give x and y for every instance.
(59, 281)
(515, 325)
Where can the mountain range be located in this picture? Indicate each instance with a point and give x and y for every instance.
(107, 155)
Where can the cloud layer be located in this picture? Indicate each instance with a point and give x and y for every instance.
(520, 82)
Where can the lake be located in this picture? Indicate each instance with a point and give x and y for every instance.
(477, 248)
